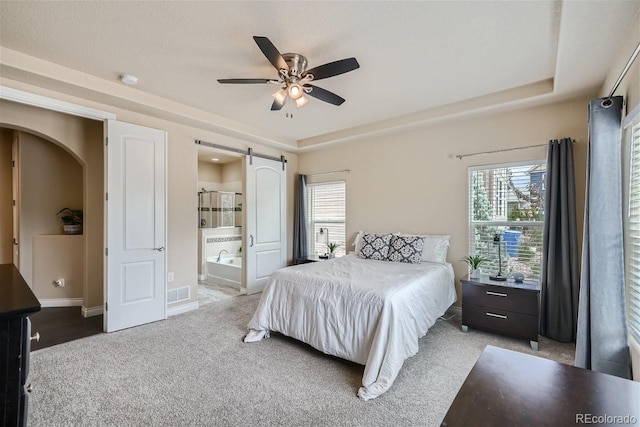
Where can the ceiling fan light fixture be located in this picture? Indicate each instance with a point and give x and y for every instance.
(301, 101)
(295, 91)
(280, 96)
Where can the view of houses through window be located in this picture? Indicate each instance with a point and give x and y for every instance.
(326, 217)
(508, 201)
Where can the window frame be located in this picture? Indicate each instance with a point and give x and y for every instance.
(500, 209)
(311, 221)
(632, 229)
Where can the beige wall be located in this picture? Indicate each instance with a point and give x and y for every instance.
(411, 181)
(6, 197)
(232, 172)
(50, 179)
(209, 172)
(56, 257)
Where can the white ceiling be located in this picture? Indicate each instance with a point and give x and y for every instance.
(417, 58)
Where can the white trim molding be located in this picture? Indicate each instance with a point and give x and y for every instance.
(60, 302)
(92, 311)
(182, 308)
(22, 97)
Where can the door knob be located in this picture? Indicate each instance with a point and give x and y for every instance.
(36, 337)
(29, 388)
(160, 249)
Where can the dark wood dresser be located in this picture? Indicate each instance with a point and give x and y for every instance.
(507, 388)
(17, 302)
(506, 307)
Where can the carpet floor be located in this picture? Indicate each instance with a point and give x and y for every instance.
(194, 370)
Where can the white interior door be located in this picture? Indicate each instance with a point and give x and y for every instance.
(135, 285)
(265, 221)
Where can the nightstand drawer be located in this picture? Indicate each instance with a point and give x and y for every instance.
(503, 321)
(505, 298)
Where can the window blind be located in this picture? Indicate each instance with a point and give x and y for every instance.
(508, 201)
(326, 216)
(632, 257)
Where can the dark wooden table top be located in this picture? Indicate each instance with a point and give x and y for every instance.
(16, 297)
(507, 388)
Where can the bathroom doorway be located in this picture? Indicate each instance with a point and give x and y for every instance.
(219, 221)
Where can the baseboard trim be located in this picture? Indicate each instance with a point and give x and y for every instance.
(60, 302)
(182, 308)
(92, 311)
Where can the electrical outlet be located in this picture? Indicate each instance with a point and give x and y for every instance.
(170, 277)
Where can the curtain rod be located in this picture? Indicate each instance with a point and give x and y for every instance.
(633, 57)
(461, 156)
(329, 173)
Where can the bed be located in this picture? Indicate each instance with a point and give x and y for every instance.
(366, 310)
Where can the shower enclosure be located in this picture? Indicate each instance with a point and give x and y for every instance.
(219, 209)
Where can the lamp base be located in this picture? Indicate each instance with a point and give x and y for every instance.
(498, 277)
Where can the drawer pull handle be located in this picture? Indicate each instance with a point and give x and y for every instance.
(499, 316)
(496, 294)
(36, 337)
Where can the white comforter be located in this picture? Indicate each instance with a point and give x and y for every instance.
(369, 312)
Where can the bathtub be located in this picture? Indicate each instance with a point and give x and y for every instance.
(227, 271)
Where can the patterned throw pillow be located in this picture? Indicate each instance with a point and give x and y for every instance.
(375, 246)
(406, 249)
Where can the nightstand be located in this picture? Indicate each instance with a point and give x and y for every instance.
(507, 308)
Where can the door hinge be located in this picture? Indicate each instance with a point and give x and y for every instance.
(13, 163)
(106, 196)
(106, 251)
(14, 202)
(15, 242)
(106, 306)
(106, 141)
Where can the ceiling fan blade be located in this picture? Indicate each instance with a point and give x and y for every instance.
(324, 95)
(247, 81)
(277, 106)
(271, 53)
(333, 68)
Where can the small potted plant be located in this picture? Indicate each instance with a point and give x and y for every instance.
(70, 220)
(474, 262)
(332, 246)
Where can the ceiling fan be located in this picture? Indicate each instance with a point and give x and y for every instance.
(295, 79)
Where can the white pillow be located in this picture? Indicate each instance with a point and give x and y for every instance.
(357, 242)
(435, 248)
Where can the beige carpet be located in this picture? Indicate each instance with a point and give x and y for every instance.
(194, 370)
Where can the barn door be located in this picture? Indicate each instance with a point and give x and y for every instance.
(265, 234)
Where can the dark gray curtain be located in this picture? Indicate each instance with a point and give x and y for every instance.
(560, 283)
(300, 241)
(601, 343)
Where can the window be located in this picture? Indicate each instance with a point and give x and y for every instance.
(632, 237)
(326, 216)
(508, 201)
